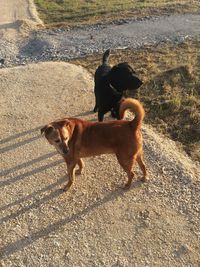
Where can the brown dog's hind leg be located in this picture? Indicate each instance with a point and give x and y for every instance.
(127, 166)
(130, 178)
(142, 167)
(81, 166)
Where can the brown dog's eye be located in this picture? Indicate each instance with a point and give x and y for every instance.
(57, 141)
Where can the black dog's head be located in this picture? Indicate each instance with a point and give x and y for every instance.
(122, 77)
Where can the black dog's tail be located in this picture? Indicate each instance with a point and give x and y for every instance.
(106, 56)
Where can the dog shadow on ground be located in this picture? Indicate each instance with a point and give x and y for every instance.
(24, 242)
(83, 114)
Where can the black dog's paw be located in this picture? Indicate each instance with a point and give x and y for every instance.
(95, 109)
(113, 114)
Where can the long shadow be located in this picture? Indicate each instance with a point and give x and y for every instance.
(83, 114)
(22, 143)
(35, 47)
(8, 25)
(24, 242)
(26, 164)
(26, 174)
(12, 137)
(34, 194)
(37, 203)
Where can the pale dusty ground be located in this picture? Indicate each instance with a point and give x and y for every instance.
(96, 223)
(12, 10)
(17, 19)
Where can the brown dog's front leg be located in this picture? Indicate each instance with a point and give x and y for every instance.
(71, 174)
(81, 166)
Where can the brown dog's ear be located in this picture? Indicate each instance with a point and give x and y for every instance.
(43, 129)
(47, 130)
(67, 122)
(61, 123)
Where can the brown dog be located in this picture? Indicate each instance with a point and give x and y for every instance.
(75, 139)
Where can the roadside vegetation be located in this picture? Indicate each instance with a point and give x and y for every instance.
(171, 93)
(67, 12)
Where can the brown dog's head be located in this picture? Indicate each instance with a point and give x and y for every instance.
(58, 134)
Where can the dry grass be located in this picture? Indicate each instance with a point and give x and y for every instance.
(171, 93)
(75, 12)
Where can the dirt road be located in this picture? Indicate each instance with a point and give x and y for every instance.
(12, 10)
(96, 223)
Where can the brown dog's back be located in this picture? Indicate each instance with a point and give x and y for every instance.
(112, 136)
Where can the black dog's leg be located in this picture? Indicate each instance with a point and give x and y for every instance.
(115, 112)
(95, 108)
(96, 100)
(100, 115)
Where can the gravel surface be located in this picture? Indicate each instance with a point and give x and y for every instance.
(96, 223)
(65, 44)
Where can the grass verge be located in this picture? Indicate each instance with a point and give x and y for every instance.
(171, 93)
(66, 12)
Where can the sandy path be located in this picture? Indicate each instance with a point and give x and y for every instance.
(12, 10)
(17, 19)
(96, 223)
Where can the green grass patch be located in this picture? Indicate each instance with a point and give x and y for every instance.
(91, 11)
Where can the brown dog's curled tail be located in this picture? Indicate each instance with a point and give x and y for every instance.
(134, 106)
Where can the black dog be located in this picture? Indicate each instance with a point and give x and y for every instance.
(110, 83)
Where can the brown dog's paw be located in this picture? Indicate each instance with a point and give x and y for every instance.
(66, 187)
(127, 186)
(78, 172)
(145, 179)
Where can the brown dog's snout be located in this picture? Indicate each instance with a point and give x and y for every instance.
(65, 149)
(62, 149)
